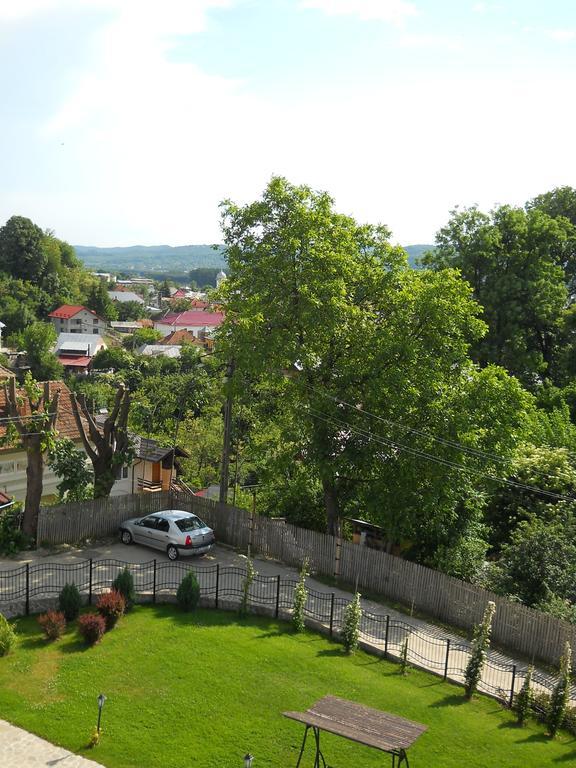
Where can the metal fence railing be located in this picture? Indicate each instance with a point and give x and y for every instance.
(33, 587)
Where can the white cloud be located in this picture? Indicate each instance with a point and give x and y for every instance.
(393, 11)
(562, 35)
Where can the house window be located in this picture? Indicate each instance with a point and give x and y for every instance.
(78, 322)
(94, 330)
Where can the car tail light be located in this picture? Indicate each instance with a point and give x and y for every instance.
(188, 541)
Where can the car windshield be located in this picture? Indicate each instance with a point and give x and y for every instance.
(190, 524)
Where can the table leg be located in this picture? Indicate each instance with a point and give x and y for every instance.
(319, 755)
(403, 759)
(303, 745)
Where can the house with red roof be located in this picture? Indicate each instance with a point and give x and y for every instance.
(73, 318)
(197, 321)
(13, 459)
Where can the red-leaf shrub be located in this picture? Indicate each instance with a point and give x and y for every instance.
(92, 627)
(111, 606)
(53, 624)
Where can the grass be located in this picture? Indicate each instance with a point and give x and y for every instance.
(202, 689)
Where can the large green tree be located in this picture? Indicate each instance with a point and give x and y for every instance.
(326, 323)
(514, 260)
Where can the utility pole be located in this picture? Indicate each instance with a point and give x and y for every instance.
(224, 474)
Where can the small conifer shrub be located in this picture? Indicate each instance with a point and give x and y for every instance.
(524, 698)
(70, 601)
(300, 598)
(124, 583)
(188, 594)
(561, 693)
(479, 652)
(351, 629)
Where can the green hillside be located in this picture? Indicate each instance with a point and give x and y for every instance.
(173, 260)
(152, 258)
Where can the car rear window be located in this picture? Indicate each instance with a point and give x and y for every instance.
(190, 524)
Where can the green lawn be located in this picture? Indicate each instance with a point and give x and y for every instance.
(202, 689)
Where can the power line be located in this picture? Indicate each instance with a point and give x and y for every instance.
(437, 459)
(476, 452)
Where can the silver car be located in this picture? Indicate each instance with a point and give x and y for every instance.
(172, 530)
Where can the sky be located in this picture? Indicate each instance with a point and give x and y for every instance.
(127, 122)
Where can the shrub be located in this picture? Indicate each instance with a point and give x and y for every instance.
(7, 635)
(188, 594)
(246, 584)
(111, 607)
(70, 601)
(124, 584)
(524, 698)
(404, 657)
(561, 693)
(53, 624)
(300, 598)
(479, 651)
(12, 538)
(92, 627)
(351, 629)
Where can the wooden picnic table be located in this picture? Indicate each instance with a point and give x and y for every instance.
(371, 727)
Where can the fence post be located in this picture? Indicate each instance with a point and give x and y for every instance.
(154, 583)
(217, 584)
(511, 700)
(277, 597)
(386, 635)
(446, 660)
(90, 583)
(27, 589)
(331, 614)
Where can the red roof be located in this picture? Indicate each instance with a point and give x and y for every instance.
(66, 311)
(179, 294)
(193, 317)
(65, 421)
(75, 361)
(180, 336)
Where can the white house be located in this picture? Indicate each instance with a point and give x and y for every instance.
(76, 350)
(71, 318)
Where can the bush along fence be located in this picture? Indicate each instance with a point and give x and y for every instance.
(33, 588)
(528, 632)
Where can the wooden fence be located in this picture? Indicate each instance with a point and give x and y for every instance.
(533, 634)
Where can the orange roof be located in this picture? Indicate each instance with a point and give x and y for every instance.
(145, 323)
(178, 337)
(66, 311)
(65, 422)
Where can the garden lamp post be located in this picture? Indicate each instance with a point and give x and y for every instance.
(248, 760)
(101, 700)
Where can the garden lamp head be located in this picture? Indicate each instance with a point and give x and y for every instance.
(248, 760)
(101, 700)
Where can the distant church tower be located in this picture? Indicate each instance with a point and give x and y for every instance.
(219, 278)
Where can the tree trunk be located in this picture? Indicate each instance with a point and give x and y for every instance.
(103, 477)
(34, 485)
(333, 522)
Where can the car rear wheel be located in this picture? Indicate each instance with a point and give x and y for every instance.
(126, 537)
(172, 552)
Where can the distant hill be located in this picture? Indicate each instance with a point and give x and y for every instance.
(173, 261)
(415, 252)
(151, 258)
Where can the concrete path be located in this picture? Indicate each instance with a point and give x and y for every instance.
(20, 749)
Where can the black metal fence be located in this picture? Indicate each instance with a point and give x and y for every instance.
(34, 587)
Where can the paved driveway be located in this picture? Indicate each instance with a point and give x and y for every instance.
(20, 749)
